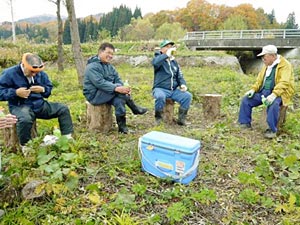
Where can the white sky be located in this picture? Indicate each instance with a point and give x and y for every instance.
(27, 8)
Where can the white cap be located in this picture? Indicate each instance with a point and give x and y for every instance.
(268, 49)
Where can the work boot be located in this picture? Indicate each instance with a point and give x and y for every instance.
(182, 116)
(137, 110)
(121, 121)
(158, 117)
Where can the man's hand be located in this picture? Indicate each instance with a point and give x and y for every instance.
(7, 121)
(23, 92)
(270, 99)
(183, 88)
(250, 93)
(37, 89)
(123, 90)
(170, 51)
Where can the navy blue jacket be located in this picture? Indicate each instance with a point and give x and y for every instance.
(167, 74)
(14, 78)
(100, 81)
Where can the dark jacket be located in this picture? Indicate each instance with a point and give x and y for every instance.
(14, 78)
(100, 81)
(167, 74)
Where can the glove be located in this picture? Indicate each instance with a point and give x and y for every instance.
(270, 99)
(170, 52)
(183, 88)
(250, 93)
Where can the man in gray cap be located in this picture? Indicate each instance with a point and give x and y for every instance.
(169, 83)
(274, 87)
(25, 86)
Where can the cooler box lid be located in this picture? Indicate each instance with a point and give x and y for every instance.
(171, 142)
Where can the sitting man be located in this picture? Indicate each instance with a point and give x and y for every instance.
(25, 86)
(169, 83)
(103, 85)
(275, 81)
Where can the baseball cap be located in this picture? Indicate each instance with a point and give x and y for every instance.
(268, 49)
(166, 42)
(32, 62)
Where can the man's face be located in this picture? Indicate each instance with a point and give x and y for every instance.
(29, 73)
(106, 55)
(165, 48)
(268, 59)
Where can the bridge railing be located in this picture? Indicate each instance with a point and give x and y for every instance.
(244, 34)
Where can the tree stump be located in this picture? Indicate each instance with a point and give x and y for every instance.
(99, 117)
(211, 104)
(281, 119)
(11, 139)
(282, 116)
(168, 112)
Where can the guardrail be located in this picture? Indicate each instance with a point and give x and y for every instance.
(244, 34)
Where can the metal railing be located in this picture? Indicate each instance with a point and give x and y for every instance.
(244, 34)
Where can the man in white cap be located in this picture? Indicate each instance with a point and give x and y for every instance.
(274, 87)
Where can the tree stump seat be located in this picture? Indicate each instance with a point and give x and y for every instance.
(281, 120)
(168, 111)
(11, 139)
(99, 117)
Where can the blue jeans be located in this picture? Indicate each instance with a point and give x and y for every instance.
(26, 116)
(245, 114)
(160, 95)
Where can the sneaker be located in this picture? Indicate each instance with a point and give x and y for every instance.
(245, 126)
(270, 134)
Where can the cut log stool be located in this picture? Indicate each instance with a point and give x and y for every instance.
(281, 120)
(211, 104)
(11, 139)
(168, 112)
(99, 117)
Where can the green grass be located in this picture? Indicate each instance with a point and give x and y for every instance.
(242, 177)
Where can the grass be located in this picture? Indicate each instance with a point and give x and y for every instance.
(242, 177)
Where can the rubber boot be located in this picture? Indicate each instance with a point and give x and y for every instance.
(182, 116)
(137, 110)
(121, 121)
(158, 117)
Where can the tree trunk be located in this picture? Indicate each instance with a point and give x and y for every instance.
(60, 50)
(76, 48)
(12, 22)
(60, 31)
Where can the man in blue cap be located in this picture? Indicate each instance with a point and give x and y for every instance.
(169, 83)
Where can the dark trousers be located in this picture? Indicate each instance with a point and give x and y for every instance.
(26, 116)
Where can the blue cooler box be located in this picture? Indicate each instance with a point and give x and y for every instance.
(165, 155)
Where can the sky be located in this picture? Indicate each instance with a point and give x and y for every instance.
(28, 8)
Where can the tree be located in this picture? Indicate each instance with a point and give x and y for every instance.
(12, 21)
(291, 22)
(76, 48)
(234, 22)
(172, 31)
(60, 50)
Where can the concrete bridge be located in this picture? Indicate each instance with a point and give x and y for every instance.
(243, 40)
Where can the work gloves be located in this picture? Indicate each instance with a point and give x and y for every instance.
(183, 88)
(270, 99)
(170, 52)
(250, 93)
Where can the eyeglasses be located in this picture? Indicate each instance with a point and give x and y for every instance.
(35, 66)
